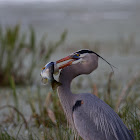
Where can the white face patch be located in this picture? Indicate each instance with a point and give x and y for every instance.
(81, 60)
(83, 55)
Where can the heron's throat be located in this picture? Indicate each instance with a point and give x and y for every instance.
(65, 78)
(69, 73)
(64, 92)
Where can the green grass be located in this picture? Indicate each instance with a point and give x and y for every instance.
(5, 136)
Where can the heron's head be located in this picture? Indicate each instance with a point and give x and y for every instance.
(86, 60)
(83, 59)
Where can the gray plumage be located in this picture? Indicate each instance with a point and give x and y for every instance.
(93, 119)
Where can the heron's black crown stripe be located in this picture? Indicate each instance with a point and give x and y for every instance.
(89, 51)
(77, 104)
(84, 51)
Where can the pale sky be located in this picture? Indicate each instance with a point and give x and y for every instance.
(10, 1)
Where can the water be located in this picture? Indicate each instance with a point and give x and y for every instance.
(105, 21)
(85, 20)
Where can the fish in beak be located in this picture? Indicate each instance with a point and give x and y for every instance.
(52, 67)
(47, 75)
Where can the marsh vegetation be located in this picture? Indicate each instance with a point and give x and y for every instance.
(29, 110)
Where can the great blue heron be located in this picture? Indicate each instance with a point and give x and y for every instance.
(90, 116)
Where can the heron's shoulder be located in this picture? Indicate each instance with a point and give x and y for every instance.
(87, 95)
(93, 103)
(89, 98)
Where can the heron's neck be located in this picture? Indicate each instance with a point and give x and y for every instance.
(65, 78)
(64, 92)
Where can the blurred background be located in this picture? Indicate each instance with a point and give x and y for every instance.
(35, 32)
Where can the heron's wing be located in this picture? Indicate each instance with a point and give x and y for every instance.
(94, 119)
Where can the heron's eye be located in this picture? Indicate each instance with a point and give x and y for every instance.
(77, 54)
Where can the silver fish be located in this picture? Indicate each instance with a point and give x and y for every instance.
(47, 74)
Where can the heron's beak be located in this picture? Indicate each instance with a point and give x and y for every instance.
(72, 58)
